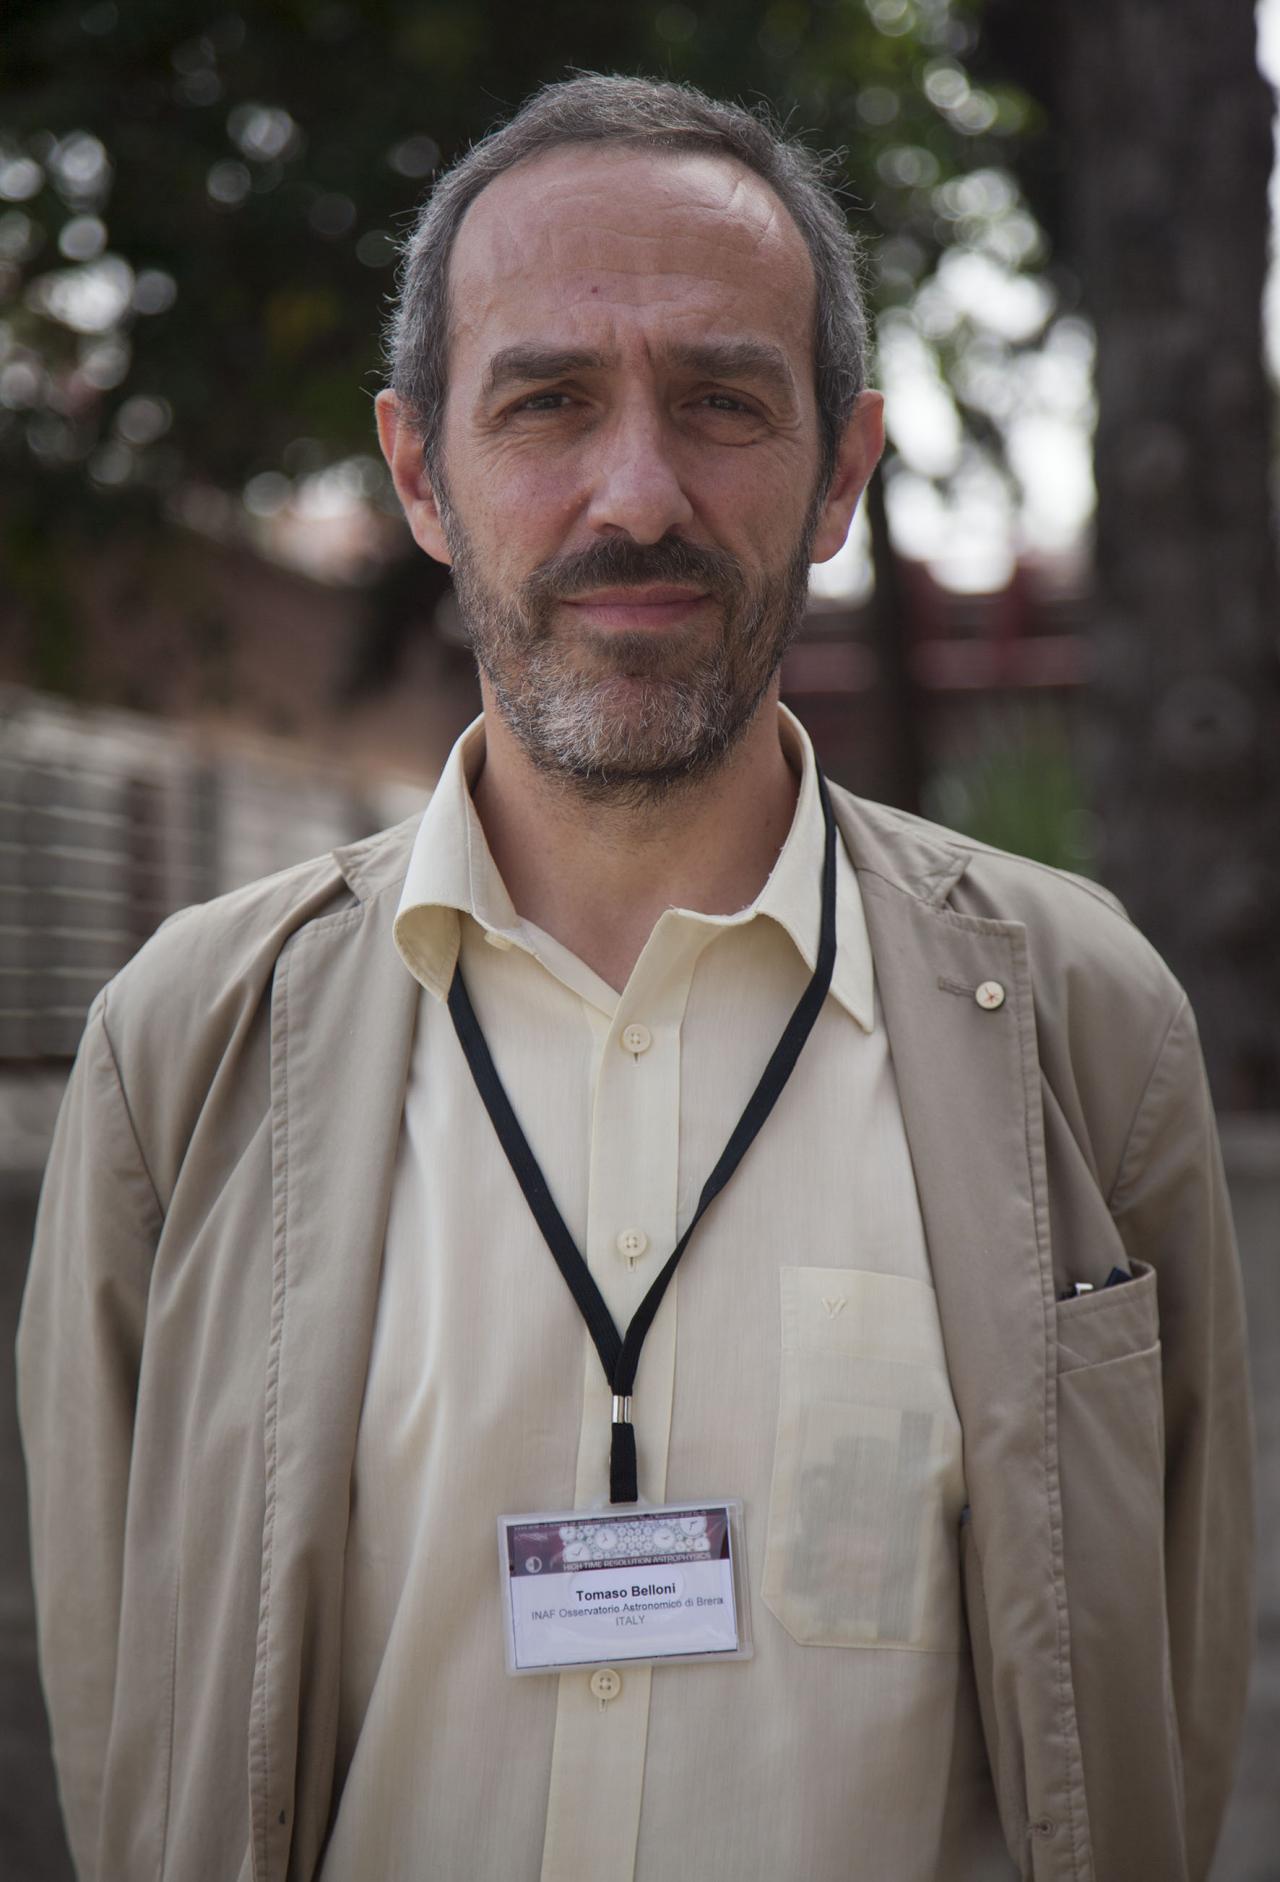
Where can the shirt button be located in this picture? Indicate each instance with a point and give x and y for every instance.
(631, 1244)
(605, 1685)
(500, 941)
(990, 995)
(635, 1038)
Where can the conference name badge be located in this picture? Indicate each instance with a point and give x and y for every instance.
(590, 1588)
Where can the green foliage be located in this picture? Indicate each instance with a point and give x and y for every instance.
(1020, 789)
(198, 207)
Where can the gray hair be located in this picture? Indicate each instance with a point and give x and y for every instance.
(645, 114)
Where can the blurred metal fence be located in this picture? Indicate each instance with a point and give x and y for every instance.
(109, 822)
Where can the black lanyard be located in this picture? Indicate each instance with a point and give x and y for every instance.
(618, 1355)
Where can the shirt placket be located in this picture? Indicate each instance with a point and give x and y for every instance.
(602, 1714)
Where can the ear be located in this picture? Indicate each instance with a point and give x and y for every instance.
(401, 443)
(859, 452)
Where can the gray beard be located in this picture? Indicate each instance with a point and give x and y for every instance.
(630, 719)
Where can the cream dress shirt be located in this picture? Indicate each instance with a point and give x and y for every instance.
(796, 1362)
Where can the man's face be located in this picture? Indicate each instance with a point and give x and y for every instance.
(630, 458)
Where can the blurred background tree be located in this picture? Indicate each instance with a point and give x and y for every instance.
(204, 205)
(199, 210)
(204, 208)
(1152, 163)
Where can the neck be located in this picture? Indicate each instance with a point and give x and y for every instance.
(598, 876)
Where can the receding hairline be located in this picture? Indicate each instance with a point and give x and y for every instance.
(654, 117)
(617, 150)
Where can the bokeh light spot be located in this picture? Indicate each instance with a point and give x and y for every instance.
(228, 183)
(414, 156)
(83, 238)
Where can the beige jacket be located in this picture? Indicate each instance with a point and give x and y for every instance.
(197, 1323)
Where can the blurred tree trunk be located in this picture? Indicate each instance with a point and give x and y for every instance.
(900, 699)
(1167, 133)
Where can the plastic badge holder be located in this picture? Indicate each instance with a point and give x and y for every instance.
(651, 1585)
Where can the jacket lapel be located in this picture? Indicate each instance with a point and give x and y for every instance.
(342, 1025)
(969, 1086)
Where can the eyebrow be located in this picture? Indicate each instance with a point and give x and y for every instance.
(519, 365)
(753, 360)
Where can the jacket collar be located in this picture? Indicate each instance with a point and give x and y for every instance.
(918, 859)
(376, 864)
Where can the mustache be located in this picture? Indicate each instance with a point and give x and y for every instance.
(618, 562)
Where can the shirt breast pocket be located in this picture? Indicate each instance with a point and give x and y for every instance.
(868, 1484)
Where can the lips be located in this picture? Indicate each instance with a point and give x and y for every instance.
(655, 605)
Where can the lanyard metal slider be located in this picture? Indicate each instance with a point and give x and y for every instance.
(621, 1409)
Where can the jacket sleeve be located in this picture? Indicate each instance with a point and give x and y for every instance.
(1170, 1202)
(79, 1348)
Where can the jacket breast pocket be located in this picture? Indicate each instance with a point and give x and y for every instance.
(1111, 1430)
(868, 1483)
(1110, 1323)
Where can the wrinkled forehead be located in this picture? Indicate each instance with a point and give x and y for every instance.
(620, 230)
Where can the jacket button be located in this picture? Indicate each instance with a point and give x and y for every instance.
(1043, 1826)
(990, 995)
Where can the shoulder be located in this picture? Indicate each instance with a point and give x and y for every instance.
(232, 940)
(1073, 924)
(1105, 1005)
(194, 999)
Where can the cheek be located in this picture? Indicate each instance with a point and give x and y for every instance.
(758, 507)
(517, 510)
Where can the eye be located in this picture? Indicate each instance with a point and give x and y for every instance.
(721, 417)
(543, 402)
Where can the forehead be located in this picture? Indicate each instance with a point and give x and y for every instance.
(655, 244)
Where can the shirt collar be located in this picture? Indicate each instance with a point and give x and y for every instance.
(793, 894)
(452, 872)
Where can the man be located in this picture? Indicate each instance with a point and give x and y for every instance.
(961, 1329)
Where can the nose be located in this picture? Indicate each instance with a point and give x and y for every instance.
(637, 488)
